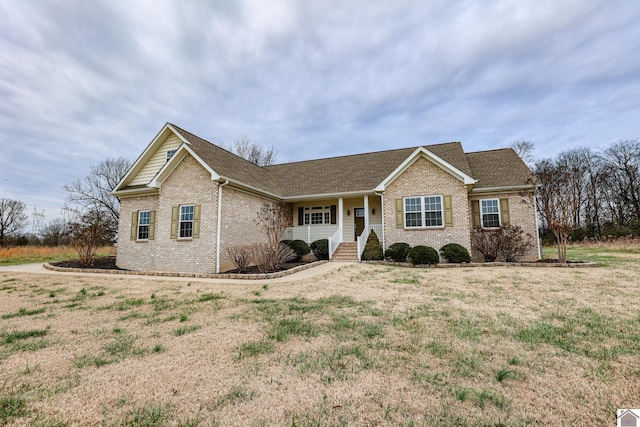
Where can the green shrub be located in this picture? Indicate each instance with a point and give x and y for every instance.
(373, 248)
(455, 253)
(423, 255)
(300, 247)
(398, 252)
(320, 248)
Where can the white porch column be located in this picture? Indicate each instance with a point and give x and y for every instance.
(340, 220)
(366, 213)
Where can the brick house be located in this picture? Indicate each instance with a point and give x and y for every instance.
(185, 200)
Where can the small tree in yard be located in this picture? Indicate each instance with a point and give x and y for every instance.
(557, 205)
(91, 230)
(274, 219)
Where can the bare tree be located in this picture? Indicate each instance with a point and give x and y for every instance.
(89, 231)
(557, 205)
(55, 233)
(274, 219)
(93, 192)
(622, 163)
(253, 152)
(525, 150)
(12, 218)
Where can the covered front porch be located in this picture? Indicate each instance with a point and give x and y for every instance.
(339, 220)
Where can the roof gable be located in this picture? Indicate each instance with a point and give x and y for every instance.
(422, 152)
(152, 159)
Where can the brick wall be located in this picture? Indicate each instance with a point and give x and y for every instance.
(423, 178)
(522, 212)
(132, 254)
(239, 222)
(190, 183)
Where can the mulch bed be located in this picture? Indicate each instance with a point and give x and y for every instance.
(102, 263)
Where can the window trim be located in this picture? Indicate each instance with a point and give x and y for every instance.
(148, 225)
(482, 213)
(324, 210)
(181, 221)
(423, 212)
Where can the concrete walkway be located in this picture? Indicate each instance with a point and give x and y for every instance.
(309, 273)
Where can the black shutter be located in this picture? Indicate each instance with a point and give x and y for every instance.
(333, 214)
(300, 216)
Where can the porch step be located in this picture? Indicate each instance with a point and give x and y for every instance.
(346, 252)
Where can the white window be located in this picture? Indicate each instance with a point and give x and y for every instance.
(423, 212)
(317, 215)
(186, 221)
(490, 211)
(144, 218)
(170, 153)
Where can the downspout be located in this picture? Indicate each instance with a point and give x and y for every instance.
(383, 218)
(221, 184)
(538, 240)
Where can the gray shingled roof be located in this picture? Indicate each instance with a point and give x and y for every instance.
(499, 168)
(229, 165)
(359, 172)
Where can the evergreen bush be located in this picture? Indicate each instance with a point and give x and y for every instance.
(455, 253)
(423, 255)
(373, 248)
(397, 252)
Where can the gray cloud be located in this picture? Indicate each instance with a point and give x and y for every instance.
(82, 81)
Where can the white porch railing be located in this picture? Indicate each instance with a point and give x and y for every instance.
(310, 233)
(334, 241)
(362, 239)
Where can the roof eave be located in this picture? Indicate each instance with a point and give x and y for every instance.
(135, 192)
(146, 154)
(304, 197)
(503, 189)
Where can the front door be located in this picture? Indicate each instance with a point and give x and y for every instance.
(358, 222)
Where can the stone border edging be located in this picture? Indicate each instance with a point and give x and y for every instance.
(588, 264)
(275, 275)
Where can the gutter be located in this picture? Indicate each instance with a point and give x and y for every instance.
(502, 189)
(221, 184)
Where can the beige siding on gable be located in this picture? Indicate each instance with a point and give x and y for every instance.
(155, 163)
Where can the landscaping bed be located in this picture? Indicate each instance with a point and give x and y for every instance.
(100, 263)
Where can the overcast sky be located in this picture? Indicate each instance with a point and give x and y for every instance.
(81, 81)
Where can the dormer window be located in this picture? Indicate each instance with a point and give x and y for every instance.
(170, 153)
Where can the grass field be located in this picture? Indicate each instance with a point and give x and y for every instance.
(41, 254)
(362, 345)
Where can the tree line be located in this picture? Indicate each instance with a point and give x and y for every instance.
(596, 190)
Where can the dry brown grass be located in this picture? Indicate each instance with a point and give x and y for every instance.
(32, 254)
(365, 345)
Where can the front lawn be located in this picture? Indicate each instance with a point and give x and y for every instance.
(362, 345)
